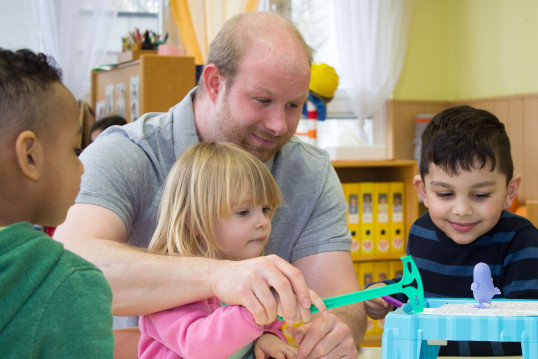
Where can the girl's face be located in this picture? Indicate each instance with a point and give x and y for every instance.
(246, 232)
(467, 205)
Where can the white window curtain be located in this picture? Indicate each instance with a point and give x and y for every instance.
(76, 34)
(371, 40)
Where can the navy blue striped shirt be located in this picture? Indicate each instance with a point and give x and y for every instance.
(511, 251)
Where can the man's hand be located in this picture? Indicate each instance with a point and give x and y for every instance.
(377, 308)
(325, 337)
(251, 283)
(305, 313)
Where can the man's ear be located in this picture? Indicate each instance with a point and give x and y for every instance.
(212, 81)
(511, 191)
(28, 154)
(421, 189)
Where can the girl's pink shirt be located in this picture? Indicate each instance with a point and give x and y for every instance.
(203, 329)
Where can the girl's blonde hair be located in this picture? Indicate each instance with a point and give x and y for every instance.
(203, 185)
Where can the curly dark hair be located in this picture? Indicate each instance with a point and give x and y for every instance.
(463, 138)
(27, 80)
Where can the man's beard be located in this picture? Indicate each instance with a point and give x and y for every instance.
(231, 131)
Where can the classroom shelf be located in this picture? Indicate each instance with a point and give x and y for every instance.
(383, 171)
(151, 83)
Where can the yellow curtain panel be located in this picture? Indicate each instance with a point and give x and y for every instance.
(198, 21)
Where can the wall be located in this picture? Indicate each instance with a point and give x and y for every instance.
(466, 49)
(426, 73)
(519, 113)
(477, 52)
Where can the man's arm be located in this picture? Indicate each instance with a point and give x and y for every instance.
(331, 274)
(144, 283)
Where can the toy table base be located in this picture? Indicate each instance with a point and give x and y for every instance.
(406, 336)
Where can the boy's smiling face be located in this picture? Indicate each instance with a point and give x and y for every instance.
(467, 205)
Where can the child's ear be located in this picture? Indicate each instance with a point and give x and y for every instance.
(421, 189)
(511, 191)
(212, 81)
(29, 153)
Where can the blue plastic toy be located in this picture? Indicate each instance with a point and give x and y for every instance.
(419, 336)
(482, 286)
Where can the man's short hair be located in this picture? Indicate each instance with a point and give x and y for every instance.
(464, 138)
(232, 42)
(27, 80)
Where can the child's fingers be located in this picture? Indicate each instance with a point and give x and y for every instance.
(290, 352)
(375, 304)
(377, 308)
(298, 333)
(258, 353)
(379, 302)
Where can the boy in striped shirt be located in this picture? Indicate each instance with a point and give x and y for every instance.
(467, 183)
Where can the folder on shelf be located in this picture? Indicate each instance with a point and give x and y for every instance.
(366, 273)
(357, 269)
(366, 276)
(381, 218)
(379, 326)
(381, 271)
(366, 235)
(351, 191)
(395, 269)
(396, 211)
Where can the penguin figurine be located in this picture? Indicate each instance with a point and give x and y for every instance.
(482, 287)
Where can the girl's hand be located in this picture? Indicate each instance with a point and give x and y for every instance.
(271, 346)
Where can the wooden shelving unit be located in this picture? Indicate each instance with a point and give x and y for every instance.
(163, 81)
(383, 171)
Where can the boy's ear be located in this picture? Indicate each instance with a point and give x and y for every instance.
(212, 81)
(28, 153)
(421, 189)
(511, 191)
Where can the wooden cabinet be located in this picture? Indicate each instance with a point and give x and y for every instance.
(383, 171)
(153, 83)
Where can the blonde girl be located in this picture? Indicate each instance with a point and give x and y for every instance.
(218, 202)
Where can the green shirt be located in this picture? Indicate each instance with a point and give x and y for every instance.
(54, 303)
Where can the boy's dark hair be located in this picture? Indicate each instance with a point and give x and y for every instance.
(463, 138)
(27, 80)
(106, 122)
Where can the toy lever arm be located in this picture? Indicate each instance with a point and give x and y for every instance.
(355, 297)
(410, 285)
